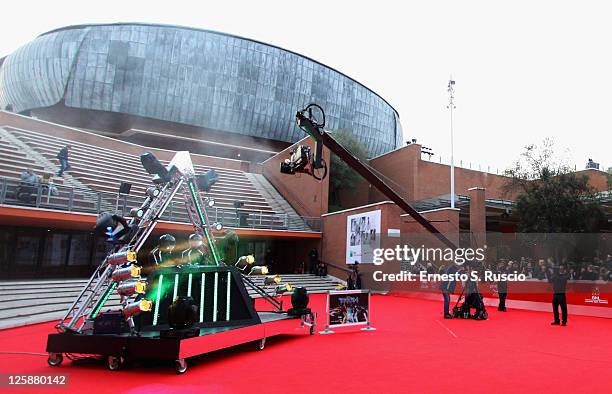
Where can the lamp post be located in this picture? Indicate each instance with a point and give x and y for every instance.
(451, 106)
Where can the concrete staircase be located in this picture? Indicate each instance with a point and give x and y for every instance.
(277, 202)
(41, 160)
(25, 302)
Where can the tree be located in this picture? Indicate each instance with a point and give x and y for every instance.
(609, 174)
(552, 199)
(342, 176)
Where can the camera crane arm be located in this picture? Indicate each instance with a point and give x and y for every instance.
(322, 137)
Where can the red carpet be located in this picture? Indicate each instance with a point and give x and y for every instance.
(412, 350)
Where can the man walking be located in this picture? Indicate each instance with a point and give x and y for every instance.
(559, 283)
(63, 156)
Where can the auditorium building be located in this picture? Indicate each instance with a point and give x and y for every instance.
(115, 91)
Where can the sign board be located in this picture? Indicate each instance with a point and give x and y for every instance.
(347, 308)
(362, 237)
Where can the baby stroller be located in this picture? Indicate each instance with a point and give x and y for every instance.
(473, 299)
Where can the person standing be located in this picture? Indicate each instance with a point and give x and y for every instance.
(448, 287)
(502, 288)
(559, 283)
(63, 155)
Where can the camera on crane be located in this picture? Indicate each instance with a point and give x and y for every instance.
(298, 161)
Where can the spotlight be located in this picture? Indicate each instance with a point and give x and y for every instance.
(137, 307)
(121, 274)
(152, 165)
(217, 226)
(132, 287)
(259, 270)
(152, 191)
(207, 180)
(272, 280)
(127, 256)
(209, 202)
(137, 212)
(283, 288)
(299, 302)
(113, 226)
(244, 261)
(182, 313)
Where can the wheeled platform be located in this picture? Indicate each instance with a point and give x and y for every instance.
(117, 349)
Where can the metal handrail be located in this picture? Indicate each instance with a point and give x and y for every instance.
(52, 196)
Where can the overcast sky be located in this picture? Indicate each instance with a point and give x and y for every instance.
(525, 70)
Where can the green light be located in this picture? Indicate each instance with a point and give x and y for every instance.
(202, 287)
(215, 296)
(174, 293)
(103, 301)
(189, 285)
(196, 199)
(227, 308)
(159, 287)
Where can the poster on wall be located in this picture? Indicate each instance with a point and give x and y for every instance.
(362, 237)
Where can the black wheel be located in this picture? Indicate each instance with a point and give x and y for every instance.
(55, 359)
(312, 329)
(261, 344)
(180, 366)
(115, 363)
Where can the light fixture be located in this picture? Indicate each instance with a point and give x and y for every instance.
(137, 307)
(283, 288)
(132, 287)
(153, 166)
(272, 280)
(121, 274)
(152, 191)
(259, 270)
(113, 226)
(299, 302)
(207, 180)
(182, 313)
(244, 261)
(210, 202)
(127, 256)
(217, 226)
(137, 212)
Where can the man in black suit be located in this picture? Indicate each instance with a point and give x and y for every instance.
(559, 283)
(502, 288)
(448, 287)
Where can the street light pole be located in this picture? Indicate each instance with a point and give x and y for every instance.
(451, 106)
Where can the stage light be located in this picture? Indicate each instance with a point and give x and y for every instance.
(154, 167)
(217, 226)
(121, 274)
(182, 313)
(137, 212)
(283, 288)
(272, 280)
(152, 191)
(132, 287)
(113, 226)
(137, 307)
(244, 261)
(259, 270)
(299, 299)
(127, 256)
(206, 181)
(209, 202)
